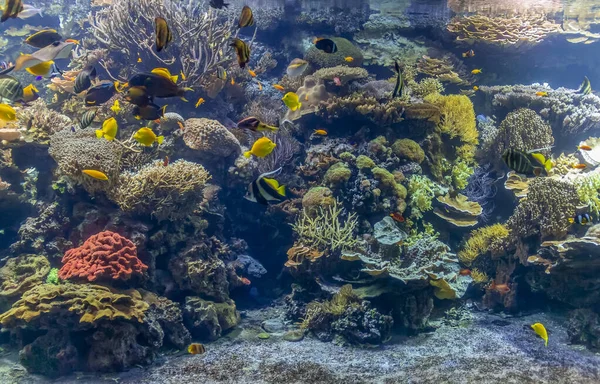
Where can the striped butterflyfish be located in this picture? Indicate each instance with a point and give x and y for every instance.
(265, 190)
(11, 9)
(399, 88)
(527, 163)
(242, 51)
(163, 33)
(585, 88)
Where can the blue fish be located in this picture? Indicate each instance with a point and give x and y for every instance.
(38, 78)
(484, 119)
(73, 128)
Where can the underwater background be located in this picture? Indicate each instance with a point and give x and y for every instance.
(299, 191)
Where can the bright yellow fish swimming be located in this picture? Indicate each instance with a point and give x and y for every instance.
(95, 174)
(540, 330)
(476, 71)
(292, 101)
(41, 69)
(109, 129)
(147, 137)
(116, 108)
(349, 59)
(164, 72)
(7, 113)
(200, 102)
(261, 147)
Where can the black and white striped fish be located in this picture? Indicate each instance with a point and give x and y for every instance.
(586, 87)
(399, 88)
(87, 118)
(265, 190)
(527, 163)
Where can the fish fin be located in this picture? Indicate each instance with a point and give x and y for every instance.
(539, 158)
(281, 190)
(464, 55)
(160, 139)
(99, 133)
(247, 154)
(537, 171)
(299, 105)
(164, 109)
(548, 165)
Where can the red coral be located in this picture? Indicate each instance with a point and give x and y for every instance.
(104, 255)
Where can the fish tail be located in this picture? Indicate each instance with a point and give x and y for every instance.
(99, 133)
(281, 190)
(247, 154)
(164, 109)
(160, 139)
(184, 99)
(299, 106)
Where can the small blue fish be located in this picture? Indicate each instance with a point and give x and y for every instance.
(38, 78)
(73, 128)
(484, 119)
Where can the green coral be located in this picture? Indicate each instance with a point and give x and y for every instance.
(461, 172)
(421, 192)
(388, 182)
(22, 273)
(408, 149)
(52, 277)
(364, 162)
(347, 156)
(426, 86)
(316, 198)
(379, 147)
(587, 190)
(337, 175)
(481, 240)
(321, 59)
(458, 116)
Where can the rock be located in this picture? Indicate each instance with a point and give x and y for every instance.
(273, 325)
(388, 236)
(294, 335)
(51, 355)
(263, 335)
(208, 320)
(251, 266)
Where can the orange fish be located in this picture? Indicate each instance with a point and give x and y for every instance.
(585, 147)
(180, 125)
(245, 281)
(139, 60)
(306, 97)
(579, 166)
(278, 87)
(252, 73)
(502, 289)
(166, 161)
(469, 53)
(464, 272)
(232, 81)
(320, 132)
(259, 86)
(397, 217)
(541, 93)
(76, 42)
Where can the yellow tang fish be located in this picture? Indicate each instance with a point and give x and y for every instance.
(200, 102)
(292, 101)
(540, 330)
(116, 108)
(252, 73)
(261, 147)
(541, 93)
(349, 59)
(164, 72)
(7, 113)
(41, 69)
(30, 93)
(476, 71)
(147, 137)
(109, 129)
(95, 174)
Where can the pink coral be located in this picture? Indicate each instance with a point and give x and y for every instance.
(106, 254)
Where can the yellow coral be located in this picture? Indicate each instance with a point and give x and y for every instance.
(480, 241)
(479, 277)
(458, 116)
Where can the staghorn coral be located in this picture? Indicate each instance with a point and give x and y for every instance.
(517, 30)
(345, 48)
(41, 122)
(344, 73)
(166, 192)
(104, 256)
(326, 230)
(458, 117)
(210, 138)
(22, 273)
(76, 151)
(45, 305)
(521, 129)
(481, 241)
(203, 41)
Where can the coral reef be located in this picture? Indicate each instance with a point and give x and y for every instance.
(104, 256)
(481, 241)
(20, 274)
(345, 48)
(207, 320)
(210, 139)
(344, 74)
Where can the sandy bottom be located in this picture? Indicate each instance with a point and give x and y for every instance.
(476, 352)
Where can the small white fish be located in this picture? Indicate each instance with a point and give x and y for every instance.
(29, 11)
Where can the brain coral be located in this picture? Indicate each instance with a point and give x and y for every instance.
(76, 151)
(345, 48)
(45, 305)
(210, 138)
(106, 255)
(522, 129)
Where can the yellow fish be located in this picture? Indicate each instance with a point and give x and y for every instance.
(200, 102)
(349, 59)
(252, 73)
(182, 75)
(541, 93)
(540, 330)
(259, 86)
(261, 147)
(95, 174)
(475, 88)
(232, 81)
(109, 129)
(320, 132)
(292, 101)
(278, 87)
(41, 69)
(30, 93)
(147, 137)
(116, 108)
(196, 349)
(7, 113)
(476, 71)
(164, 72)
(139, 60)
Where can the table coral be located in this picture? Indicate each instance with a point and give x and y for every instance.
(458, 210)
(345, 48)
(104, 256)
(45, 305)
(22, 273)
(343, 72)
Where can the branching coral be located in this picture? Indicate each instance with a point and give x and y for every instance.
(515, 30)
(481, 241)
(105, 256)
(426, 86)
(445, 69)
(45, 305)
(170, 192)
(458, 116)
(326, 230)
(356, 105)
(587, 190)
(201, 42)
(421, 191)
